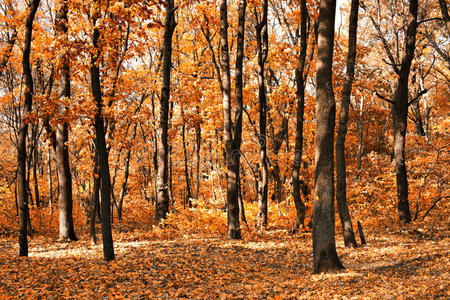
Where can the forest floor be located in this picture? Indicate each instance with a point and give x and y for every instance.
(404, 261)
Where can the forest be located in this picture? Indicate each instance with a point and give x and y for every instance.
(224, 149)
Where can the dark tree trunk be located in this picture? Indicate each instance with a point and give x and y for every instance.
(186, 173)
(324, 245)
(198, 139)
(341, 183)
(35, 173)
(400, 106)
(262, 51)
(95, 200)
(66, 228)
(50, 183)
(23, 131)
(162, 179)
(445, 16)
(298, 148)
(232, 140)
(108, 247)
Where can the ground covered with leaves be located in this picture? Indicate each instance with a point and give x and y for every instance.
(410, 261)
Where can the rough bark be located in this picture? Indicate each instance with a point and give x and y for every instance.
(324, 245)
(162, 178)
(66, 228)
(108, 247)
(298, 148)
(23, 131)
(341, 180)
(232, 140)
(445, 16)
(400, 106)
(262, 51)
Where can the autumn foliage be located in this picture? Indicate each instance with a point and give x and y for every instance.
(187, 254)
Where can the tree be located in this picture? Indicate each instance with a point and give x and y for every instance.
(66, 228)
(232, 139)
(300, 95)
(162, 198)
(324, 245)
(262, 49)
(100, 141)
(341, 184)
(23, 130)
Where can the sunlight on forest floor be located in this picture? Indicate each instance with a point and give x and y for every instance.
(399, 262)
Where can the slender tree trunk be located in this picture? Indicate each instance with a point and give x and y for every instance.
(324, 245)
(360, 136)
(198, 139)
(35, 174)
(445, 16)
(95, 200)
(262, 51)
(23, 131)
(400, 100)
(50, 183)
(162, 184)
(108, 247)
(186, 173)
(298, 148)
(65, 198)
(341, 183)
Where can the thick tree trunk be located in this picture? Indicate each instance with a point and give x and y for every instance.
(324, 245)
(162, 179)
(298, 148)
(23, 131)
(108, 247)
(232, 141)
(262, 51)
(341, 180)
(66, 228)
(400, 100)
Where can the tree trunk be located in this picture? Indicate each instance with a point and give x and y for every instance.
(198, 139)
(162, 184)
(23, 131)
(66, 228)
(324, 245)
(400, 100)
(298, 148)
(262, 51)
(360, 136)
(95, 200)
(35, 174)
(445, 16)
(186, 173)
(108, 247)
(232, 140)
(341, 183)
(50, 183)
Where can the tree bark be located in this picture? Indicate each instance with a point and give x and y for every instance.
(66, 228)
(262, 51)
(186, 173)
(23, 131)
(341, 180)
(162, 184)
(400, 106)
(324, 245)
(298, 148)
(232, 140)
(108, 247)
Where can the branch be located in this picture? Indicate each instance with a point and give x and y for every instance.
(384, 98)
(418, 96)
